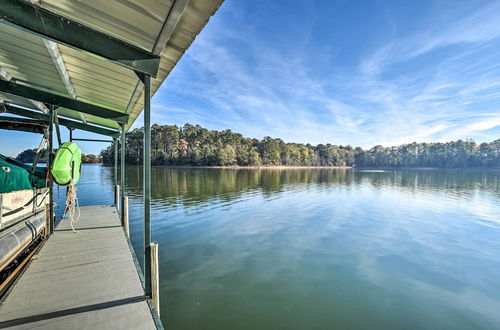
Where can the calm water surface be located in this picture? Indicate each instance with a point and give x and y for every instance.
(319, 249)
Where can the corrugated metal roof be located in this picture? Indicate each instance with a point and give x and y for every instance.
(136, 22)
(25, 58)
(142, 23)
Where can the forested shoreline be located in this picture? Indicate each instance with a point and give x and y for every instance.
(193, 145)
(27, 156)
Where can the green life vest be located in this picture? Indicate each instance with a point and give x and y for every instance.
(67, 164)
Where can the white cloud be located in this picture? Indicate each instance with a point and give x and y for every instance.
(261, 89)
(484, 124)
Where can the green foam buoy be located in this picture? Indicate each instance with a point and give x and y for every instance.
(67, 164)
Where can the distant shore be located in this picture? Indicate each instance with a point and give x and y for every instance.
(427, 168)
(276, 167)
(284, 167)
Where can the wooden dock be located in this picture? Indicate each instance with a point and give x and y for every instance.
(84, 280)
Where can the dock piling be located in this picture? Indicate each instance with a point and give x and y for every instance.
(125, 216)
(117, 195)
(155, 277)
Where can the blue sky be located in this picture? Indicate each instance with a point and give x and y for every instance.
(342, 72)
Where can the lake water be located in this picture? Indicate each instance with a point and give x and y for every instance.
(319, 248)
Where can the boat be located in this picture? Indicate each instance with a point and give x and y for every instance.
(23, 215)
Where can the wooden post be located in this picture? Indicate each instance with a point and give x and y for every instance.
(117, 195)
(125, 216)
(155, 277)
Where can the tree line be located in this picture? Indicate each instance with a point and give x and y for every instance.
(27, 156)
(455, 154)
(193, 145)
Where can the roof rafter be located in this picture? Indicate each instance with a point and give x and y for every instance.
(5, 75)
(48, 25)
(169, 26)
(167, 29)
(58, 61)
(22, 124)
(62, 121)
(62, 101)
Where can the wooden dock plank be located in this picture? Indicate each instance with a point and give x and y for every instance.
(84, 280)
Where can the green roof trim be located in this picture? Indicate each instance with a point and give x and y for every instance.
(62, 101)
(62, 121)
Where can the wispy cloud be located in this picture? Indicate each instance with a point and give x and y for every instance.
(438, 80)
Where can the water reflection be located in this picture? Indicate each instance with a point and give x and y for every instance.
(323, 249)
(190, 187)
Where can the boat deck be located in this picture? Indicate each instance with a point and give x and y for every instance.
(84, 280)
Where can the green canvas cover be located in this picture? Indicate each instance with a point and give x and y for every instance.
(67, 164)
(16, 176)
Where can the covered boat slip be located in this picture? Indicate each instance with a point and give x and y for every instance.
(89, 59)
(84, 280)
(93, 66)
(23, 191)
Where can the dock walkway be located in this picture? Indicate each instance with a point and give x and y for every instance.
(84, 280)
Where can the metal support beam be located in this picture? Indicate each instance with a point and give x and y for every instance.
(22, 124)
(40, 106)
(61, 101)
(49, 166)
(65, 122)
(166, 32)
(115, 175)
(48, 25)
(56, 57)
(135, 95)
(70, 134)
(5, 75)
(38, 154)
(123, 146)
(147, 185)
(115, 141)
(168, 28)
(92, 140)
(58, 130)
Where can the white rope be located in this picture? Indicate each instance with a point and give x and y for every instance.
(72, 206)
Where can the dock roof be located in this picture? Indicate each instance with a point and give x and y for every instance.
(87, 57)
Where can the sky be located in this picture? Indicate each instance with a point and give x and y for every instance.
(343, 72)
